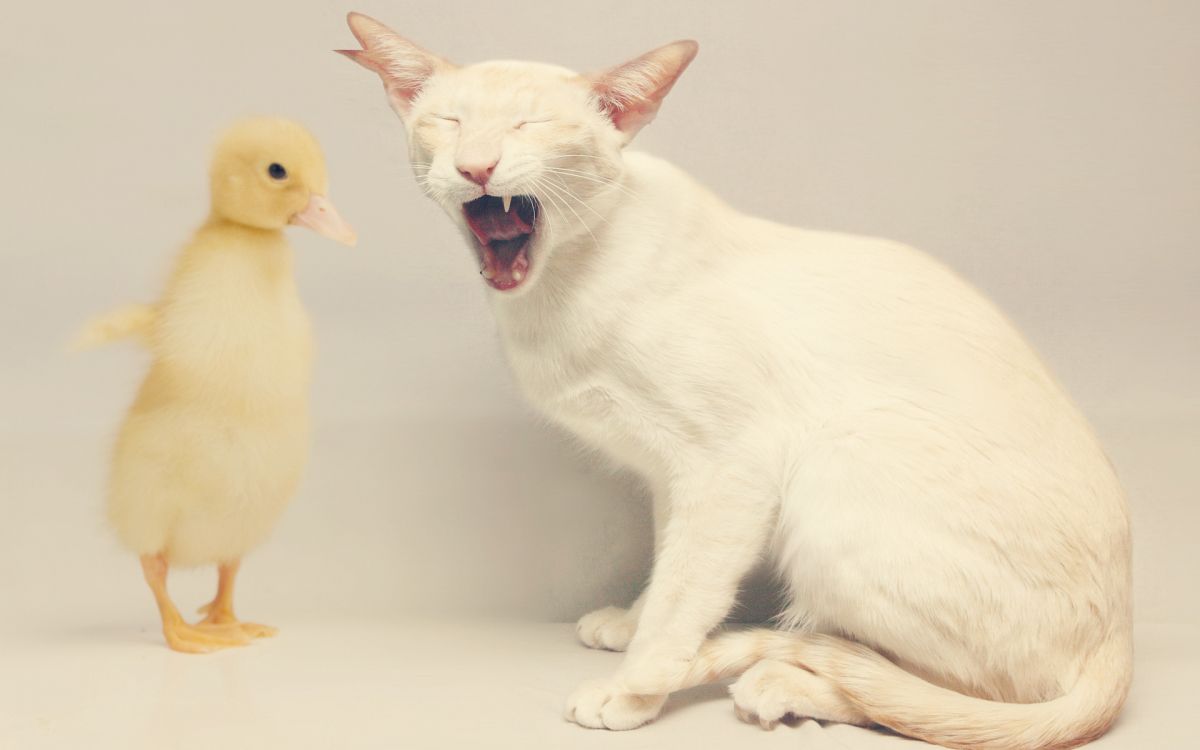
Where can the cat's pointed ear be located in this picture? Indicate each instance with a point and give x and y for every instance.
(631, 93)
(403, 66)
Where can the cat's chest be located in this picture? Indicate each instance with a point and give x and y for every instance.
(564, 382)
(596, 393)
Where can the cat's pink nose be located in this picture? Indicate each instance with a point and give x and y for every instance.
(477, 172)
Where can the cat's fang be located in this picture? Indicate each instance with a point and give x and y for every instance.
(507, 203)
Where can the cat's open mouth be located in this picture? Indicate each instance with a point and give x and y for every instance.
(503, 228)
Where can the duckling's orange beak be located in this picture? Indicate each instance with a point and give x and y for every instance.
(321, 217)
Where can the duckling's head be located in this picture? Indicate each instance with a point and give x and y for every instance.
(268, 173)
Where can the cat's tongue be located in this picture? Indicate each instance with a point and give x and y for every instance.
(503, 237)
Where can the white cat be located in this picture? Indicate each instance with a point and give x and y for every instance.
(843, 404)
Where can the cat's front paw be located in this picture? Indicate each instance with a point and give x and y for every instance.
(604, 704)
(611, 628)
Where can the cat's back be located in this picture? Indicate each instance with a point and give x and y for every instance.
(864, 323)
(840, 308)
(716, 249)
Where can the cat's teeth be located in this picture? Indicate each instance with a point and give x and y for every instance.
(487, 273)
(518, 275)
(507, 202)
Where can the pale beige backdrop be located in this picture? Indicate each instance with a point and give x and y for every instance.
(1048, 151)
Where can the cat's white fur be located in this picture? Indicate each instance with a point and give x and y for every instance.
(844, 404)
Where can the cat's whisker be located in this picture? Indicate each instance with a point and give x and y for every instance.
(581, 156)
(551, 187)
(603, 179)
(429, 186)
(542, 203)
(576, 156)
(592, 178)
(544, 199)
(552, 201)
(565, 189)
(583, 173)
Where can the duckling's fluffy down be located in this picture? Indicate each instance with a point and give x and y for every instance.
(214, 444)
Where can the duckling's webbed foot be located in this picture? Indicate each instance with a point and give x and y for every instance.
(200, 639)
(219, 612)
(190, 639)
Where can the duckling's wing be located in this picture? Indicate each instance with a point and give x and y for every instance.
(130, 320)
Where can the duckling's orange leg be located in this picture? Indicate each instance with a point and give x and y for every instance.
(181, 636)
(220, 610)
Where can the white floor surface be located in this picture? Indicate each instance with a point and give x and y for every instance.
(397, 684)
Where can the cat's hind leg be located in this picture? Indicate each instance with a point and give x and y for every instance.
(773, 691)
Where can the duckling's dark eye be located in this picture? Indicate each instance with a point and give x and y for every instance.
(277, 171)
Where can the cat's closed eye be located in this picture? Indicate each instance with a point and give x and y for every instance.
(445, 118)
(538, 121)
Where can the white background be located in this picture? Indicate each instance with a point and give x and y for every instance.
(1047, 151)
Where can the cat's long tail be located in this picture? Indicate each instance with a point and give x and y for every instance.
(130, 320)
(903, 702)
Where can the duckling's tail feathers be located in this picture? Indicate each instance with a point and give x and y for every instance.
(124, 322)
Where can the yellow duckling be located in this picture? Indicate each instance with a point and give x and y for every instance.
(212, 448)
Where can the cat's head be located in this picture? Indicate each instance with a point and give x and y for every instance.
(525, 157)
